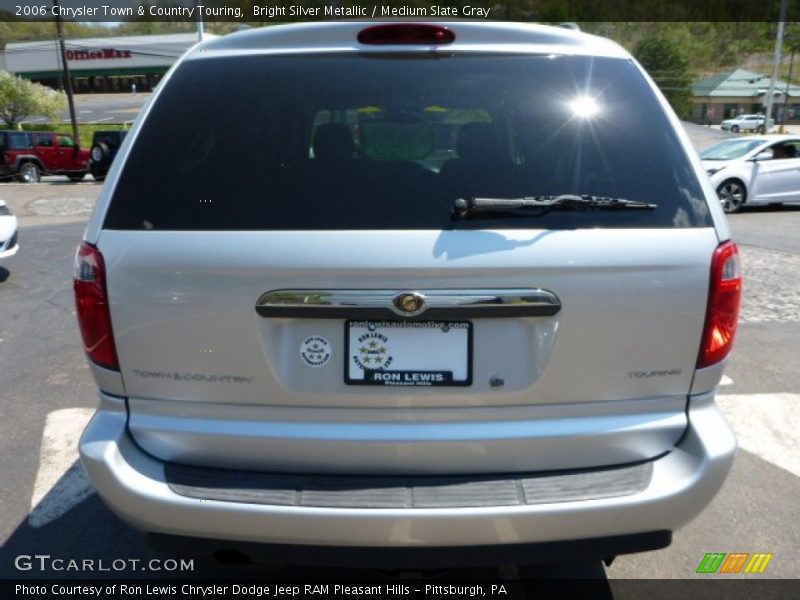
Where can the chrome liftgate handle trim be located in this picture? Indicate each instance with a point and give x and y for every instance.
(391, 304)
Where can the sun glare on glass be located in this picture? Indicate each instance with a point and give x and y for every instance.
(584, 107)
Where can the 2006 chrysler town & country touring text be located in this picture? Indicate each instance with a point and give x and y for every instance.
(399, 287)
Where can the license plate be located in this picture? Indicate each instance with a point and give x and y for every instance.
(408, 353)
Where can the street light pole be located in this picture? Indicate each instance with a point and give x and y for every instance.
(200, 26)
(67, 76)
(778, 46)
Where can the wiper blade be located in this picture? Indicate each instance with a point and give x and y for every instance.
(463, 207)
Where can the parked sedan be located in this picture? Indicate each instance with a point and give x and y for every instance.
(754, 170)
(8, 232)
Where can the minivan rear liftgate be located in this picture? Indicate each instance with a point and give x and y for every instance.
(333, 312)
(230, 368)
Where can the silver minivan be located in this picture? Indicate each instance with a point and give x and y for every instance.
(396, 287)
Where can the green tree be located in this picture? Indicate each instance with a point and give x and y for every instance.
(20, 98)
(666, 63)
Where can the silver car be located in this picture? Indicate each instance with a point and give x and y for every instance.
(754, 123)
(754, 170)
(398, 287)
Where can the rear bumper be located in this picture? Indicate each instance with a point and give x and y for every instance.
(683, 482)
(427, 557)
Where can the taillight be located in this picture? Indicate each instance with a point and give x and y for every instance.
(724, 298)
(406, 33)
(91, 302)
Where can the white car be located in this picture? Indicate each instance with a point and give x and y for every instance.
(746, 123)
(754, 170)
(8, 232)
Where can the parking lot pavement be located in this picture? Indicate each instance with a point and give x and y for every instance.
(47, 396)
(101, 108)
(703, 136)
(54, 201)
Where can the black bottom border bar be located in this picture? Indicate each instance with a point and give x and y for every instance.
(408, 589)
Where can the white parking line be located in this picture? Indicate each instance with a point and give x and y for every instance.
(726, 380)
(101, 120)
(768, 425)
(61, 482)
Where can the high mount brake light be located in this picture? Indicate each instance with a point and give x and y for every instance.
(724, 299)
(91, 303)
(406, 33)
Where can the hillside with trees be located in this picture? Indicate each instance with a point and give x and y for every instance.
(674, 53)
(709, 46)
(677, 53)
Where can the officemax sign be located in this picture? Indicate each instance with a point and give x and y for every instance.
(101, 54)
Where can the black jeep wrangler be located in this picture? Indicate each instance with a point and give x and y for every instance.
(104, 148)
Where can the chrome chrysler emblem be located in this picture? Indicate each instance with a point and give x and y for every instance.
(409, 304)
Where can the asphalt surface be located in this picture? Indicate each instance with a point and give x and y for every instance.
(46, 389)
(101, 108)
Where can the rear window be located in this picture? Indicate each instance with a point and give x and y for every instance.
(346, 142)
(14, 141)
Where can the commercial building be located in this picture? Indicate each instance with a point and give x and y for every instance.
(99, 65)
(740, 91)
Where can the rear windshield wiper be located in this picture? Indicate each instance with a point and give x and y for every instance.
(464, 207)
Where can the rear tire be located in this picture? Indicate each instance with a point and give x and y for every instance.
(760, 129)
(29, 172)
(732, 195)
(98, 173)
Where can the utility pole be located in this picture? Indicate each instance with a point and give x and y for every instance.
(778, 47)
(66, 74)
(793, 48)
(200, 26)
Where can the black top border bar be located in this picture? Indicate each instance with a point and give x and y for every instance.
(285, 11)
